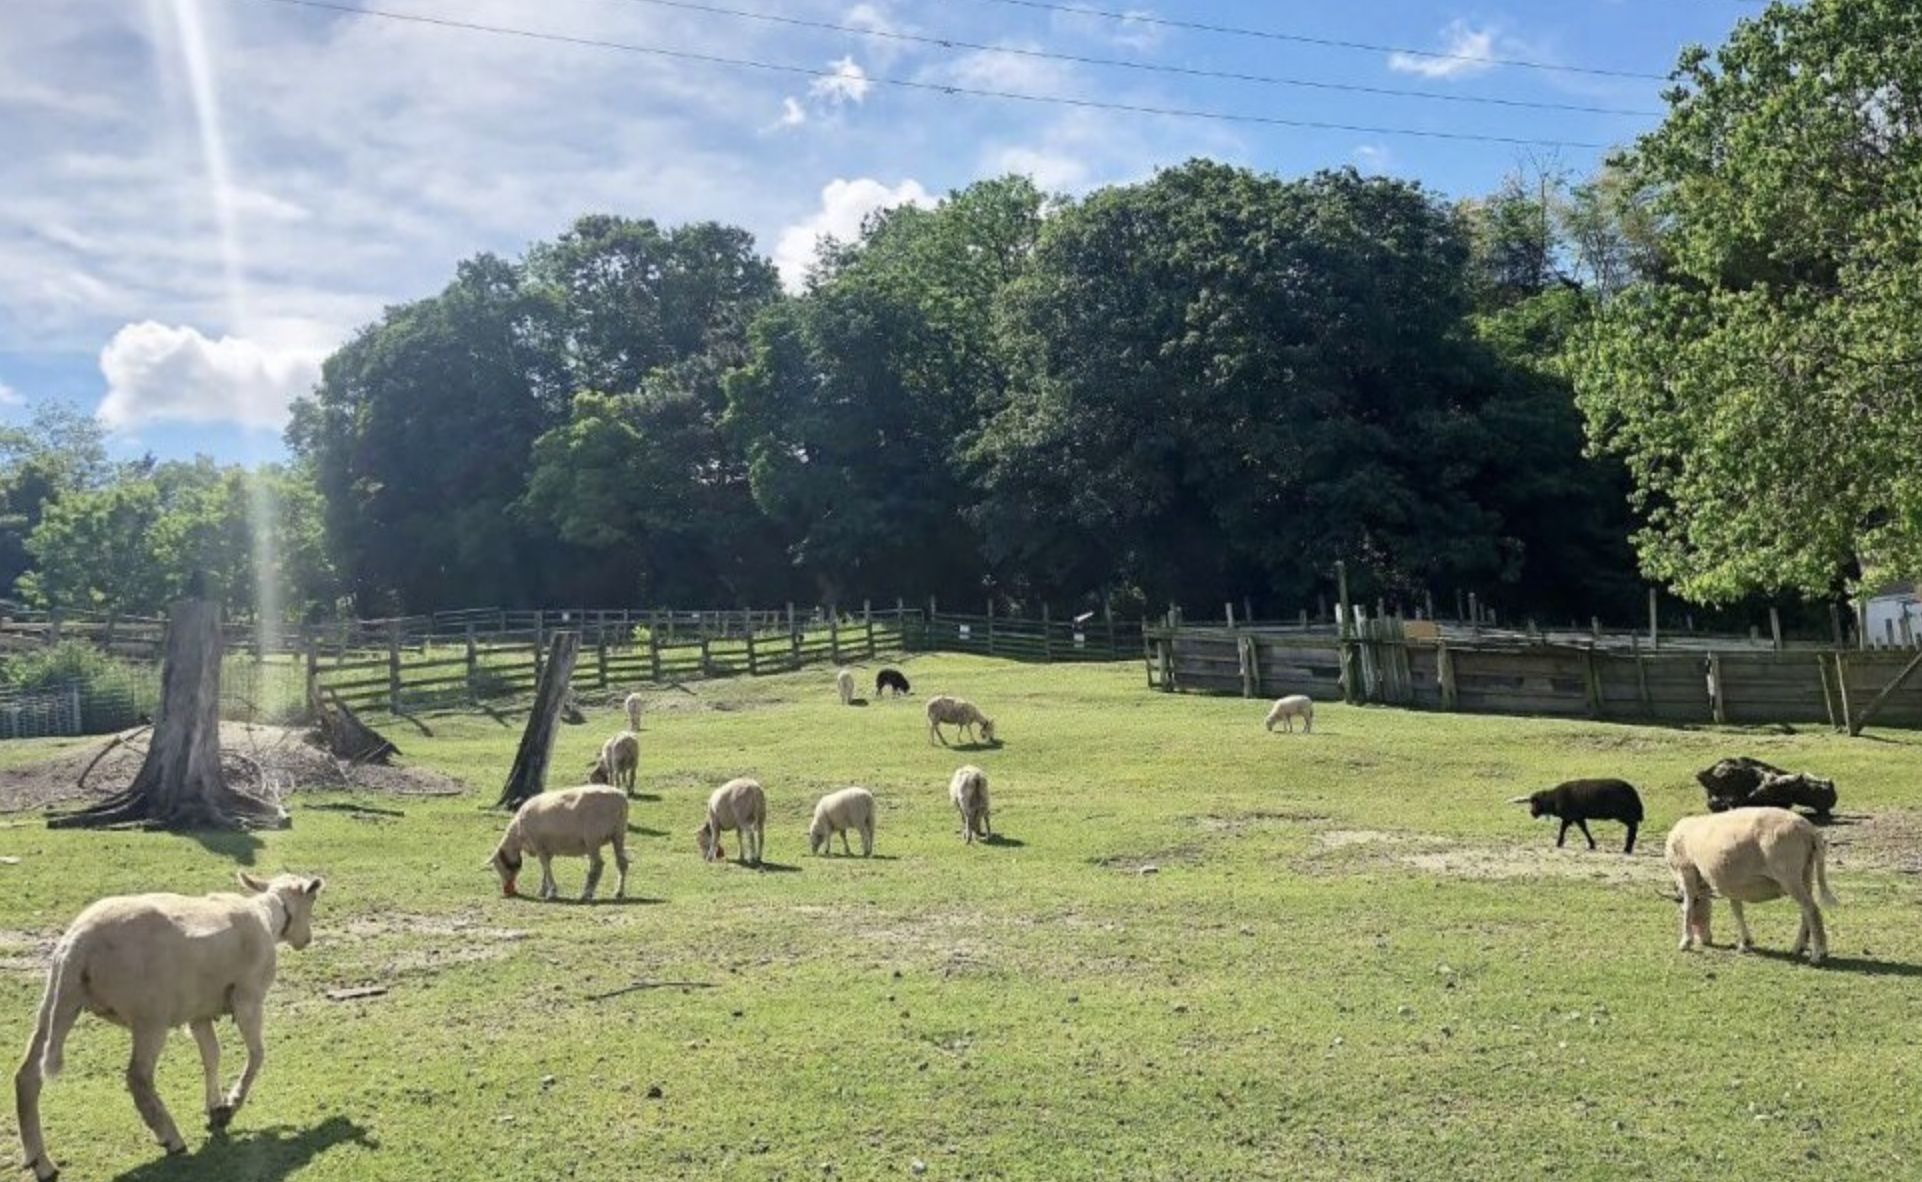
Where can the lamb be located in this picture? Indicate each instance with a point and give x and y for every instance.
(740, 805)
(633, 707)
(956, 712)
(1740, 782)
(838, 812)
(1751, 855)
(618, 763)
(571, 823)
(844, 681)
(154, 962)
(969, 792)
(1287, 709)
(1578, 802)
(891, 680)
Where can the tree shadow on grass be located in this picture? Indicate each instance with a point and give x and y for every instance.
(347, 806)
(242, 845)
(266, 1155)
(1860, 965)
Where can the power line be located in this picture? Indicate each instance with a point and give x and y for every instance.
(944, 42)
(936, 87)
(1142, 18)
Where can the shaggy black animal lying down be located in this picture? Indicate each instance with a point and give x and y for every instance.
(890, 679)
(1749, 783)
(1578, 802)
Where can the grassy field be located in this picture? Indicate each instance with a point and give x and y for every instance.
(1352, 960)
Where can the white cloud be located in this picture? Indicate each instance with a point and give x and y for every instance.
(10, 396)
(845, 205)
(1469, 51)
(156, 373)
(984, 70)
(1374, 159)
(793, 114)
(848, 84)
(1135, 30)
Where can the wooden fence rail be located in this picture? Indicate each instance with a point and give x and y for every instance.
(1378, 662)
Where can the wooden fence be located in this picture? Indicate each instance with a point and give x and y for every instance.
(1614, 678)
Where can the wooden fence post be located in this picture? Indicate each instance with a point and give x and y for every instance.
(1654, 625)
(393, 668)
(867, 621)
(540, 640)
(1835, 623)
(1775, 627)
(310, 645)
(654, 646)
(1717, 699)
(1592, 678)
(1350, 658)
(1445, 673)
(1828, 699)
(753, 665)
(1047, 635)
(473, 659)
(600, 657)
(1842, 687)
(793, 638)
(991, 626)
(834, 633)
(1641, 676)
(1114, 646)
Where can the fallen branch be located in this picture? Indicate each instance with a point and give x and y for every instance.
(640, 986)
(129, 737)
(356, 993)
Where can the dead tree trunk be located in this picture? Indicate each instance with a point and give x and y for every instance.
(529, 776)
(181, 784)
(347, 737)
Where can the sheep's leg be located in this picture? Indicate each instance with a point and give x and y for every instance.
(1562, 836)
(595, 865)
(845, 847)
(247, 1016)
(867, 840)
(147, 1044)
(1630, 847)
(1812, 935)
(27, 1083)
(987, 826)
(1585, 833)
(1744, 939)
(549, 888)
(218, 1114)
(620, 866)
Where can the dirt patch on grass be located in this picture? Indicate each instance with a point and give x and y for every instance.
(271, 760)
(1889, 840)
(1151, 862)
(25, 952)
(404, 945)
(1243, 822)
(1346, 850)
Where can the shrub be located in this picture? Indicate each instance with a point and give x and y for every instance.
(112, 693)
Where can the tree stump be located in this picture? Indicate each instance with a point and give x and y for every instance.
(529, 775)
(181, 784)
(347, 737)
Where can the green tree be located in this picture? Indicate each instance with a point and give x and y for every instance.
(60, 450)
(859, 398)
(1763, 389)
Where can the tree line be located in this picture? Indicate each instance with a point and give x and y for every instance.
(1698, 366)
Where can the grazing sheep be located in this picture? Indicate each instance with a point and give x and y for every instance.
(891, 681)
(838, 812)
(1287, 709)
(740, 805)
(633, 707)
(1741, 782)
(154, 962)
(618, 763)
(956, 712)
(969, 792)
(1751, 855)
(572, 823)
(844, 681)
(1578, 802)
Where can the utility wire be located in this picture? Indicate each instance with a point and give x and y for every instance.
(1128, 64)
(1143, 18)
(936, 87)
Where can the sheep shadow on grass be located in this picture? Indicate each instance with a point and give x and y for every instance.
(1843, 964)
(998, 839)
(264, 1155)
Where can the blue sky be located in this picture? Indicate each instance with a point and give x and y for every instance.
(199, 198)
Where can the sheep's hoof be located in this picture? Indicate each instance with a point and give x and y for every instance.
(1744, 946)
(219, 1118)
(175, 1150)
(40, 1164)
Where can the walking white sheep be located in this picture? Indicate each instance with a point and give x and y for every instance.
(154, 962)
(838, 812)
(633, 707)
(844, 682)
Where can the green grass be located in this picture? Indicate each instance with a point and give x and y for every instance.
(1353, 961)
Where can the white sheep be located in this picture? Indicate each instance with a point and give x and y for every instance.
(969, 792)
(956, 712)
(633, 708)
(618, 763)
(572, 823)
(838, 812)
(740, 805)
(154, 962)
(1287, 709)
(1751, 855)
(844, 682)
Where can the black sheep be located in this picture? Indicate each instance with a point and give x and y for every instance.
(1580, 801)
(1743, 782)
(890, 679)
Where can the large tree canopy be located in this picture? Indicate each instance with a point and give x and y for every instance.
(1765, 390)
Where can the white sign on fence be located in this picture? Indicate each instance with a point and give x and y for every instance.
(964, 631)
(1081, 640)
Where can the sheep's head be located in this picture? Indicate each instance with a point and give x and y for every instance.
(710, 842)
(296, 893)
(1538, 803)
(817, 835)
(597, 772)
(987, 730)
(506, 863)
